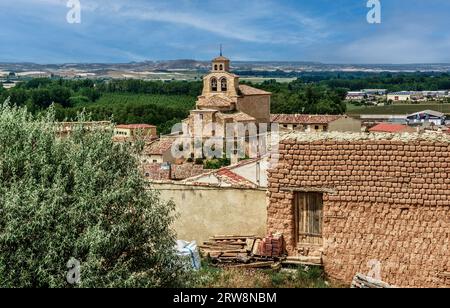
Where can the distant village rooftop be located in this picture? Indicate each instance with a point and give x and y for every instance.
(391, 128)
(304, 118)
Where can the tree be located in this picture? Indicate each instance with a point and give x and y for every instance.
(41, 98)
(81, 197)
(61, 95)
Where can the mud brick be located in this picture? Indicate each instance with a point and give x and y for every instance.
(391, 203)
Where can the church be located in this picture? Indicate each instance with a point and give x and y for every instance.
(224, 101)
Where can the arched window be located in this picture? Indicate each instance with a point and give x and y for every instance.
(214, 85)
(215, 67)
(221, 67)
(224, 85)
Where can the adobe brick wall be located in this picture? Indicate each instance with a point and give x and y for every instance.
(391, 203)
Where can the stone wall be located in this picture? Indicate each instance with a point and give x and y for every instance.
(258, 106)
(386, 200)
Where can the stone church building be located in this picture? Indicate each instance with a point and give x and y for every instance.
(225, 101)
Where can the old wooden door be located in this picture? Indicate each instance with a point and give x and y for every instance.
(309, 218)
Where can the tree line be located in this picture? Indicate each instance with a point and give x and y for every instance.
(164, 103)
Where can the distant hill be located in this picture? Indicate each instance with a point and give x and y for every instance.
(136, 69)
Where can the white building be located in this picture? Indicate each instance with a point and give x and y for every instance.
(405, 96)
(356, 96)
(427, 116)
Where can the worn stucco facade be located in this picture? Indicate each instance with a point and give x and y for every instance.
(386, 203)
(209, 211)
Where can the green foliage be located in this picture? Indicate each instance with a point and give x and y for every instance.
(298, 97)
(79, 197)
(167, 103)
(298, 277)
(161, 110)
(217, 163)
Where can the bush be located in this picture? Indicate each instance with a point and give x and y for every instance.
(80, 197)
(217, 163)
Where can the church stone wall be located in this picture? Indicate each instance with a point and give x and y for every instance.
(257, 106)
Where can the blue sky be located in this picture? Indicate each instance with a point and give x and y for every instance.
(330, 31)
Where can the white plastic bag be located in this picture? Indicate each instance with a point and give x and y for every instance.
(189, 250)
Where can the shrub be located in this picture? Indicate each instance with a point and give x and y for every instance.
(80, 197)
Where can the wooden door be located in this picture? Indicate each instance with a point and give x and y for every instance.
(309, 216)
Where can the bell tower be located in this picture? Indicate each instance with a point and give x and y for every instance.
(220, 64)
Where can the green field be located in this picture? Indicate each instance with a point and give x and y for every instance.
(182, 102)
(161, 110)
(397, 109)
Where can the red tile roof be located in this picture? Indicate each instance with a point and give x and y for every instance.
(155, 171)
(224, 175)
(159, 147)
(391, 128)
(304, 118)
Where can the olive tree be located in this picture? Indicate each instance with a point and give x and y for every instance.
(78, 200)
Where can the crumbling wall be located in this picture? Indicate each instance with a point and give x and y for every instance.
(386, 203)
(205, 211)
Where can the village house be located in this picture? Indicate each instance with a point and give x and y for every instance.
(360, 203)
(158, 151)
(405, 97)
(230, 200)
(170, 172)
(316, 123)
(251, 172)
(64, 129)
(375, 92)
(356, 96)
(134, 131)
(426, 117)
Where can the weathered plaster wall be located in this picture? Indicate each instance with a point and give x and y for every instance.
(209, 211)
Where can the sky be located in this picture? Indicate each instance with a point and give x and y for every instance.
(328, 31)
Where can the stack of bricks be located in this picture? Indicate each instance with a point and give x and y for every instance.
(386, 205)
(272, 246)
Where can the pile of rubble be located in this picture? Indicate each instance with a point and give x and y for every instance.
(364, 282)
(245, 251)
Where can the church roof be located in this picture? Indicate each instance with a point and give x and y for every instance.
(221, 58)
(215, 101)
(247, 90)
(236, 117)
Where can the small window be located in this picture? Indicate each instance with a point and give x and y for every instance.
(215, 67)
(214, 85)
(224, 85)
(147, 174)
(285, 126)
(155, 161)
(317, 127)
(221, 67)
